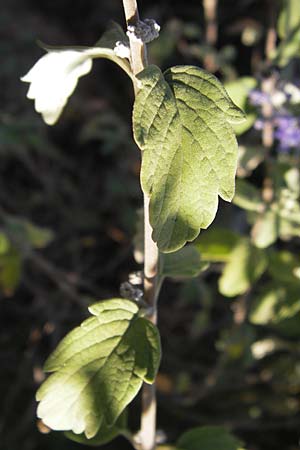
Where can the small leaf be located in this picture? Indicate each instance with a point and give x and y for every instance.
(10, 270)
(111, 36)
(246, 264)
(248, 159)
(289, 18)
(265, 230)
(184, 263)
(55, 75)
(208, 438)
(182, 124)
(238, 90)
(278, 306)
(24, 233)
(247, 196)
(105, 434)
(99, 368)
(284, 267)
(216, 244)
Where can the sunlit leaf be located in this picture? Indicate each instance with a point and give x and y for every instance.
(246, 264)
(181, 121)
(54, 77)
(247, 196)
(266, 228)
(238, 91)
(278, 306)
(99, 368)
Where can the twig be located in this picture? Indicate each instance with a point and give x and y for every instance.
(148, 415)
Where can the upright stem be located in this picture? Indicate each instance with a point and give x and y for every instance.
(211, 31)
(151, 288)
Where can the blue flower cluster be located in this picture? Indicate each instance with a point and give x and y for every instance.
(287, 125)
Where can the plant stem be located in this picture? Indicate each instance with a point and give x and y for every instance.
(211, 32)
(151, 285)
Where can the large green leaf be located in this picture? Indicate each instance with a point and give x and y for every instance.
(208, 438)
(181, 122)
(99, 368)
(246, 264)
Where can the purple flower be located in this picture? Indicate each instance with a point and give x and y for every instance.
(287, 132)
(258, 98)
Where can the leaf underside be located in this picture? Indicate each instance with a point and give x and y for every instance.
(181, 122)
(99, 368)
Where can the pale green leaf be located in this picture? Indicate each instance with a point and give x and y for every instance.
(208, 438)
(183, 263)
(246, 264)
(105, 433)
(249, 158)
(289, 18)
(99, 368)
(278, 306)
(247, 196)
(216, 244)
(181, 122)
(238, 91)
(265, 230)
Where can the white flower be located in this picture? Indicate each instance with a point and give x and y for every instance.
(53, 79)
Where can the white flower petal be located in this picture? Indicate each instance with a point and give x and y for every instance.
(53, 79)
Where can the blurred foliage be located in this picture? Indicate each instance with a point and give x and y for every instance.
(68, 198)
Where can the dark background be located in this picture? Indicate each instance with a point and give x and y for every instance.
(80, 179)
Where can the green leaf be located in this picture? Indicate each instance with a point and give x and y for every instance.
(238, 90)
(278, 306)
(4, 243)
(111, 36)
(246, 264)
(265, 230)
(289, 31)
(105, 434)
(216, 244)
(289, 18)
(247, 196)
(249, 158)
(284, 267)
(181, 122)
(208, 438)
(183, 263)
(23, 233)
(10, 270)
(99, 368)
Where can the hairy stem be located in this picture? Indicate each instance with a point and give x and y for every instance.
(151, 285)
